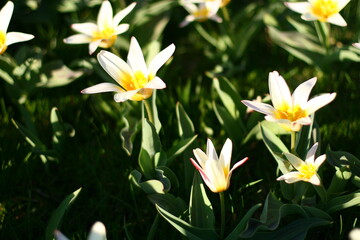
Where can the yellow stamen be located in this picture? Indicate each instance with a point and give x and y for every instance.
(292, 114)
(202, 14)
(307, 171)
(3, 46)
(324, 9)
(137, 82)
(107, 35)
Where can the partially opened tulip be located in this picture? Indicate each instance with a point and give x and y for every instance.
(104, 32)
(290, 111)
(8, 38)
(215, 171)
(135, 80)
(321, 10)
(306, 170)
(201, 11)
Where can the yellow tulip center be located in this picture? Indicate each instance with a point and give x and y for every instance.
(292, 114)
(201, 14)
(107, 36)
(137, 82)
(2, 42)
(307, 170)
(323, 9)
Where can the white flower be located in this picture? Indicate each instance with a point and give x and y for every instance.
(357, 45)
(135, 79)
(97, 232)
(222, 4)
(8, 38)
(215, 171)
(322, 10)
(306, 171)
(104, 32)
(290, 111)
(201, 12)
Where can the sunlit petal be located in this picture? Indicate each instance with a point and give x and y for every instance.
(299, 7)
(210, 150)
(156, 83)
(320, 160)
(259, 107)
(315, 180)
(14, 37)
(93, 46)
(85, 28)
(279, 90)
(290, 177)
(200, 156)
(77, 39)
(121, 28)
(105, 16)
(160, 59)
(5, 16)
(102, 87)
(136, 58)
(312, 151)
(123, 13)
(302, 92)
(97, 232)
(294, 160)
(337, 19)
(225, 154)
(124, 96)
(319, 101)
(342, 4)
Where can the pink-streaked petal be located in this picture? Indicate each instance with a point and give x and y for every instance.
(319, 101)
(77, 39)
(337, 19)
(121, 28)
(320, 161)
(85, 28)
(259, 107)
(357, 45)
(5, 16)
(97, 232)
(290, 177)
(201, 171)
(93, 46)
(315, 180)
(136, 58)
(299, 7)
(14, 37)
(117, 68)
(156, 83)
(216, 175)
(309, 17)
(294, 160)
(311, 153)
(216, 18)
(225, 154)
(238, 164)
(200, 156)
(105, 16)
(102, 87)
(188, 19)
(302, 92)
(124, 96)
(279, 90)
(123, 13)
(279, 121)
(210, 150)
(160, 59)
(342, 4)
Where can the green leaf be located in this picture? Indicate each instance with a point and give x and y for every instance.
(174, 205)
(154, 110)
(186, 127)
(61, 130)
(276, 148)
(201, 211)
(256, 131)
(179, 148)
(343, 159)
(152, 233)
(150, 186)
(127, 133)
(189, 231)
(58, 214)
(170, 175)
(234, 235)
(303, 139)
(342, 202)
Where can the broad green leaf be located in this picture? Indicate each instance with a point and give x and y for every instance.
(160, 175)
(186, 127)
(170, 175)
(338, 182)
(61, 130)
(276, 148)
(189, 231)
(155, 114)
(343, 159)
(174, 205)
(255, 132)
(342, 202)
(201, 211)
(152, 233)
(179, 148)
(57, 216)
(150, 186)
(234, 235)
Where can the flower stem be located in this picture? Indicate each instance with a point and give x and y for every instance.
(293, 142)
(323, 32)
(148, 111)
(222, 205)
(321, 191)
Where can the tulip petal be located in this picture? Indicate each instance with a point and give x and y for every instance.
(337, 19)
(290, 177)
(294, 160)
(342, 4)
(308, 16)
(156, 83)
(59, 235)
(200, 156)
(160, 59)
(121, 28)
(311, 153)
(123, 13)
(135, 57)
(124, 96)
(319, 101)
(14, 37)
(302, 92)
(210, 150)
(299, 7)
(320, 161)
(188, 19)
(117, 68)
(225, 155)
(85, 28)
(93, 46)
(77, 39)
(97, 232)
(105, 16)
(5, 16)
(238, 164)
(201, 171)
(102, 87)
(279, 90)
(315, 180)
(259, 107)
